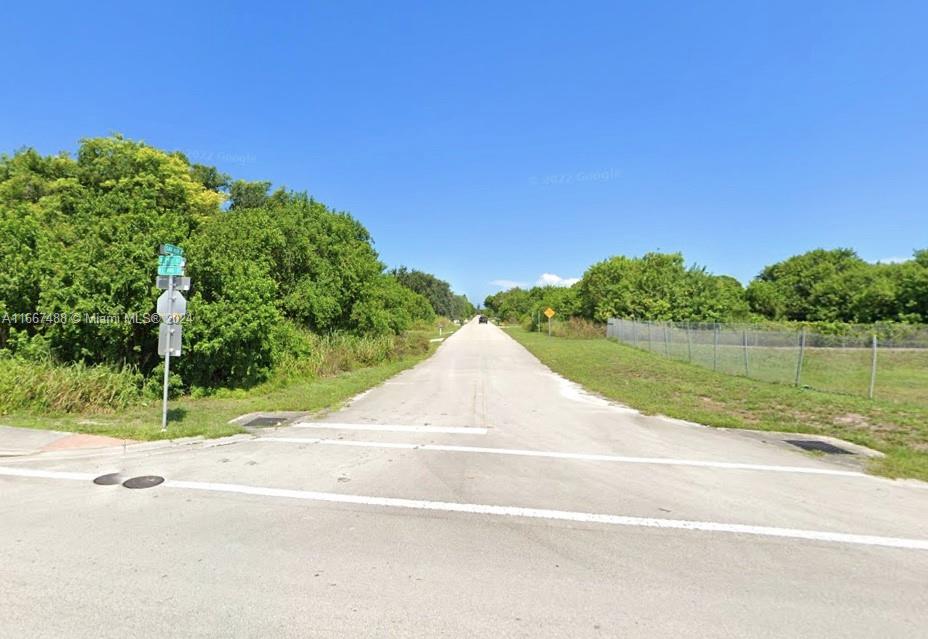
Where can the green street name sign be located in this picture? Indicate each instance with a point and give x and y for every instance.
(171, 265)
(170, 249)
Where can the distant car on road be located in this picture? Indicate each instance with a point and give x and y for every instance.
(483, 319)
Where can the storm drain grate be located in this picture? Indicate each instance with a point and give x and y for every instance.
(265, 421)
(145, 481)
(819, 446)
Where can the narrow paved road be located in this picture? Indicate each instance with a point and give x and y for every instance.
(477, 494)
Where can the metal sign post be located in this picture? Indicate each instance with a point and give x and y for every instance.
(172, 306)
(549, 313)
(167, 355)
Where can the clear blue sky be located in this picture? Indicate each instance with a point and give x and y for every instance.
(499, 141)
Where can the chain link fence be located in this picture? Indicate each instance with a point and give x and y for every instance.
(859, 363)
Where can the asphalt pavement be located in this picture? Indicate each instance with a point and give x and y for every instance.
(475, 495)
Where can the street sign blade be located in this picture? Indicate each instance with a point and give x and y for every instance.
(171, 265)
(170, 249)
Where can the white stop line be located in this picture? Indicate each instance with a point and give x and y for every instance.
(394, 428)
(518, 452)
(503, 511)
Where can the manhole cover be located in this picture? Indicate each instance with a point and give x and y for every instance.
(819, 446)
(265, 421)
(145, 481)
(110, 479)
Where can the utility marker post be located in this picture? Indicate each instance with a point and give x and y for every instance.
(744, 341)
(689, 344)
(802, 350)
(172, 306)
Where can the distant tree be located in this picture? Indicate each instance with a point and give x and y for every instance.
(209, 177)
(436, 291)
(248, 195)
(656, 286)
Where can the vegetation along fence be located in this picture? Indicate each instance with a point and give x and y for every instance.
(861, 363)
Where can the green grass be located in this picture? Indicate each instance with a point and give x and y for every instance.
(209, 416)
(655, 384)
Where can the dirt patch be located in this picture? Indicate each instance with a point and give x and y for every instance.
(851, 419)
(85, 441)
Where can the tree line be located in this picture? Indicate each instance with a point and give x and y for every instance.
(80, 236)
(817, 286)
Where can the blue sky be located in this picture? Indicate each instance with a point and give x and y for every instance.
(496, 142)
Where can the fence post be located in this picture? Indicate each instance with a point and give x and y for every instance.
(744, 341)
(666, 347)
(635, 331)
(649, 334)
(715, 349)
(802, 349)
(689, 345)
(872, 369)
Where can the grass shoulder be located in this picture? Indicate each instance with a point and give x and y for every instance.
(209, 416)
(655, 385)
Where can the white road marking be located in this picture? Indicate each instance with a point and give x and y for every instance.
(666, 461)
(510, 511)
(46, 474)
(458, 430)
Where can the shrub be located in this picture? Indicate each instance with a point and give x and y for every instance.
(575, 328)
(39, 386)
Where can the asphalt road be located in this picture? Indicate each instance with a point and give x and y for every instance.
(477, 494)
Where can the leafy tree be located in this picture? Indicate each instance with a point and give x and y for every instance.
(209, 177)
(94, 223)
(233, 310)
(248, 195)
(81, 236)
(438, 292)
(912, 288)
(389, 307)
(462, 308)
(801, 287)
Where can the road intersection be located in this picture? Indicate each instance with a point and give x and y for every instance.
(477, 494)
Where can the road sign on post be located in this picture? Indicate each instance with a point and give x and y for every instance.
(549, 313)
(180, 283)
(170, 249)
(169, 339)
(172, 307)
(171, 265)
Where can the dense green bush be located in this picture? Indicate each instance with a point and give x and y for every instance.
(80, 239)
